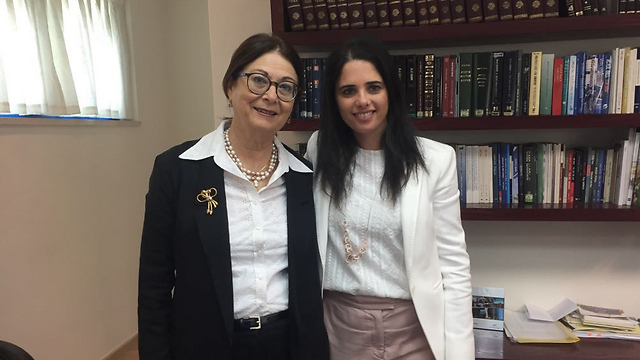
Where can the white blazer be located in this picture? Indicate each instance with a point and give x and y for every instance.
(436, 258)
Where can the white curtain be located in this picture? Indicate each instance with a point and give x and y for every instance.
(64, 57)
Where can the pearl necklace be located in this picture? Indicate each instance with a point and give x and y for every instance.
(254, 176)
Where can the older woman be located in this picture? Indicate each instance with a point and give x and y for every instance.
(229, 258)
(396, 271)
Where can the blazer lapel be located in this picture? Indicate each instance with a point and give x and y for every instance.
(214, 234)
(322, 202)
(410, 203)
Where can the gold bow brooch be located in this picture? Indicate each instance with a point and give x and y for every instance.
(207, 196)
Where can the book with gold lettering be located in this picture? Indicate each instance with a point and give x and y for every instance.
(343, 14)
(370, 15)
(458, 13)
(536, 9)
(332, 11)
(490, 10)
(395, 13)
(356, 14)
(294, 10)
(520, 10)
(382, 11)
(309, 15)
(434, 12)
(409, 13)
(474, 11)
(444, 11)
(505, 11)
(322, 14)
(551, 8)
(422, 12)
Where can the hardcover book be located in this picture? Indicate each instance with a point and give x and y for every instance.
(551, 8)
(509, 83)
(434, 12)
(474, 11)
(356, 14)
(410, 83)
(490, 10)
(536, 9)
(520, 10)
(370, 15)
(422, 12)
(444, 9)
(506, 11)
(309, 15)
(332, 10)
(465, 87)
(343, 14)
(429, 88)
(496, 83)
(409, 12)
(458, 15)
(382, 9)
(294, 10)
(481, 81)
(322, 14)
(395, 12)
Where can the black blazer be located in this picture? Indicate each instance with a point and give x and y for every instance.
(186, 250)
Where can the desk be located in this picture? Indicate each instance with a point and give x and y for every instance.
(585, 349)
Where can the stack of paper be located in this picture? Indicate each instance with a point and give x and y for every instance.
(519, 328)
(597, 322)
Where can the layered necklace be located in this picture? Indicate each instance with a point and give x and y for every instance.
(254, 176)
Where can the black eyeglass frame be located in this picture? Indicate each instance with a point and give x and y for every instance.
(271, 82)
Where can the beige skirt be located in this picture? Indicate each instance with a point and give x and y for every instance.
(367, 327)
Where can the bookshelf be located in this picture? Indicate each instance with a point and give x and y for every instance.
(492, 33)
(502, 123)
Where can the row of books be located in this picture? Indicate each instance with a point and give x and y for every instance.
(546, 173)
(358, 14)
(510, 83)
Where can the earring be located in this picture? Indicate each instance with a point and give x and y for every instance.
(230, 104)
(289, 120)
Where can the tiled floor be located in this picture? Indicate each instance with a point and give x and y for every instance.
(128, 352)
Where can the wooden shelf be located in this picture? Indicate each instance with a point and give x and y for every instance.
(502, 123)
(448, 35)
(549, 212)
(585, 349)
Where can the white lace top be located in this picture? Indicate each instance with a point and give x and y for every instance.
(380, 271)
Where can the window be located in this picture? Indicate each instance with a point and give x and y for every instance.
(64, 57)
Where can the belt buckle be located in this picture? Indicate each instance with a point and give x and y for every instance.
(258, 321)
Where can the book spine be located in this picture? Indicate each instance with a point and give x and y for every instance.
(536, 10)
(474, 10)
(461, 160)
(598, 89)
(608, 171)
(480, 78)
(410, 84)
(565, 84)
(636, 90)
(490, 10)
(453, 66)
(506, 10)
(526, 82)
(520, 10)
(343, 14)
(571, 94)
(420, 83)
(382, 12)
(446, 91)
(546, 84)
(580, 72)
(409, 12)
(322, 14)
(518, 97)
(466, 66)
(422, 12)
(551, 8)
(433, 12)
(356, 15)
(496, 83)
(456, 89)
(444, 9)
(310, 22)
(317, 86)
(332, 11)
(395, 13)
(302, 103)
(294, 11)
(370, 13)
(534, 92)
(495, 169)
(458, 14)
(309, 66)
(509, 83)
(429, 74)
(515, 176)
(437, 92)
(558, 71)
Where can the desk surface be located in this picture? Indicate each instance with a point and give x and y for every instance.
(585, 349)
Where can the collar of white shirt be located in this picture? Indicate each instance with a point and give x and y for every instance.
(212, 145)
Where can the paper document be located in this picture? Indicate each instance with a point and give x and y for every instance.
(556, 313)
(525, 330)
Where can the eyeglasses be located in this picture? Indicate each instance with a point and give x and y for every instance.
(260, 84)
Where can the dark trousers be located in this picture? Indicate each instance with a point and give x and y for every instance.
(269, 343)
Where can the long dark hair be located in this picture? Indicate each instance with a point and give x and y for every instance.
(254, 47)
(337, 146)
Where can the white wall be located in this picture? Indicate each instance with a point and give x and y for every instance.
(71, 215)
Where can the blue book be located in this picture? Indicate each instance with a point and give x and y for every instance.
(602, 163)
(565, 84)
(495, 154)
(506, 173)
(606, 85)
(598, 86)
(317, 86)
(515, 190)
(461, 157)
(579, 96)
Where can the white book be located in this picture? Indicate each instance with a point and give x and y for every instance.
(607, 176)
(634, 164)
(557, 174)
(612, 82)
(490, 173)
(481, 174)
(620, 80)
(623, 171)
(565, 176)
(476, 178)
(631, 79)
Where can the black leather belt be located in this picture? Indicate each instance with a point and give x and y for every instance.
(257, 322)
